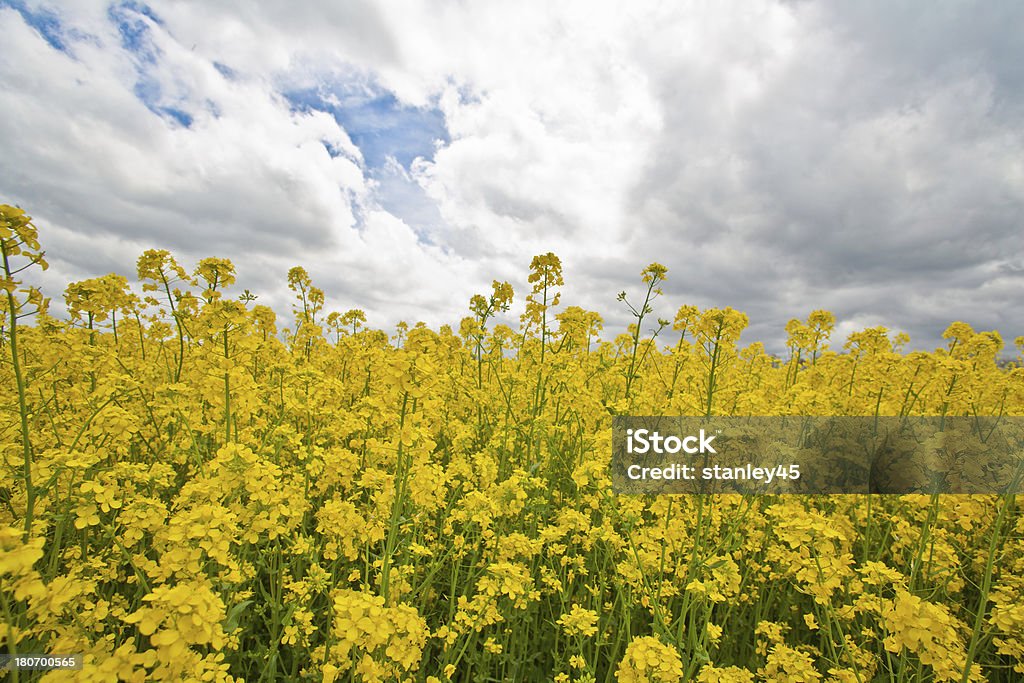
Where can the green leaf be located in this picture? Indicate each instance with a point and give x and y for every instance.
(234, 614)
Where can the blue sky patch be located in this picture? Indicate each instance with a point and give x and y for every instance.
(130, 20)
(401, 196)
(382, 128)
(148, 92)
(181, 116)
(47, 23)
(376, 121)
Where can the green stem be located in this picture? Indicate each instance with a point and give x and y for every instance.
(26, 445)
(986, 583)
(227, 391)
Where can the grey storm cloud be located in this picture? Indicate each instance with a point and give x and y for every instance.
(882, 160)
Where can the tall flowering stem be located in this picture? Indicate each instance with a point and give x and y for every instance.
(18, 238)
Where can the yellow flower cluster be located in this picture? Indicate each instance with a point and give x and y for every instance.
(648, 660)
(579, 622)
(178, 617)
(385, 641)
(929, 631)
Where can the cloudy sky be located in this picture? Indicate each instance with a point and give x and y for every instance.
(778, 157)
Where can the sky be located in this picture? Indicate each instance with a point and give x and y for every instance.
(778, 157)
